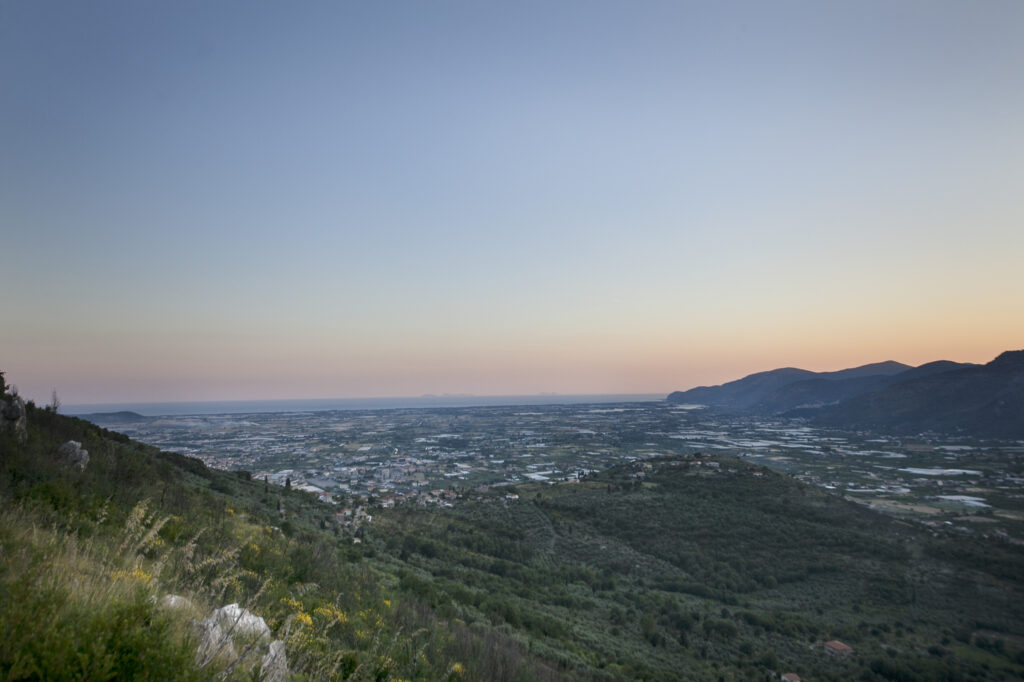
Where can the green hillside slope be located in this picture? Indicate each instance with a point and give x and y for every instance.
(86, 555)
(676, 568)
(703, 568)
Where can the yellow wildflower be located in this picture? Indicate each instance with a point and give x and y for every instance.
(136, 574)
(294, 604)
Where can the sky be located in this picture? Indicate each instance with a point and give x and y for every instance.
(267, 200)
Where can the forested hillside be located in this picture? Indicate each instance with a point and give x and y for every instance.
(695, 568)
(682, 567)
(86, 556)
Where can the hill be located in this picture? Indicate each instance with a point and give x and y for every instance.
(984, 401)
(779, 390)
(90, 554)
(941, 396)
(831, 388)
(110, 418)
(679, 567)
(743, 393)
(886, 368)
(707, 567)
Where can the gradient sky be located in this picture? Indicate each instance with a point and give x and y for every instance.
(230, 200)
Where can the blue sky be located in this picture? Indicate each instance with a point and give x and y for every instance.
(258, 200)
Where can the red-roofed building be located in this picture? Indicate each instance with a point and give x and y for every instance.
(837, 648)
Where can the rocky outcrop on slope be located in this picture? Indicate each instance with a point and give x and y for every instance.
(13, 416)
(274, 666)
(238, 621)
(74, 455)
(213, 642)
(236, 635)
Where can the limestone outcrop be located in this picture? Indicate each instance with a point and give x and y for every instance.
(238, 621)
(74, 455)
(13, 416)
(173, 601)
(213, 642)
(232, 629)
(274, 666)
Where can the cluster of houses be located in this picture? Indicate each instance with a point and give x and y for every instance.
(833, 648)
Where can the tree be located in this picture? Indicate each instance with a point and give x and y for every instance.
(54, 402)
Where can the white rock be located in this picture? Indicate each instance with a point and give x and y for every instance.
(74, 455)
(213, 641)
(12, 416)
(173, 601)
(238, 621)
(274, 666)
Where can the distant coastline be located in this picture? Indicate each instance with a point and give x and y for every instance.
(166, 409)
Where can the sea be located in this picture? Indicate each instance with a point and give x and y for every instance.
(327, 404)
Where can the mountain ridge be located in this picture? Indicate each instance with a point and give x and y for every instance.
(979, 400)
(757, 391)
(942, 396)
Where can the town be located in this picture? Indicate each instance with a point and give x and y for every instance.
(378, 458)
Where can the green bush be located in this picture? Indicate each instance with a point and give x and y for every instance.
(46, 634)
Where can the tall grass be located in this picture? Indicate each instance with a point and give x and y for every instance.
(74, 610)
(90, 609)
(84, 565)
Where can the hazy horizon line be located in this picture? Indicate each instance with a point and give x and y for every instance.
(353, 403)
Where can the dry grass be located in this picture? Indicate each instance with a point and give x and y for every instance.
(83, 610)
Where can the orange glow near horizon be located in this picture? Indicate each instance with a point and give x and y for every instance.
(567, 367)
(294, 216)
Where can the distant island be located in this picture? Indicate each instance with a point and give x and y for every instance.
(984, 401)
(120, 417)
